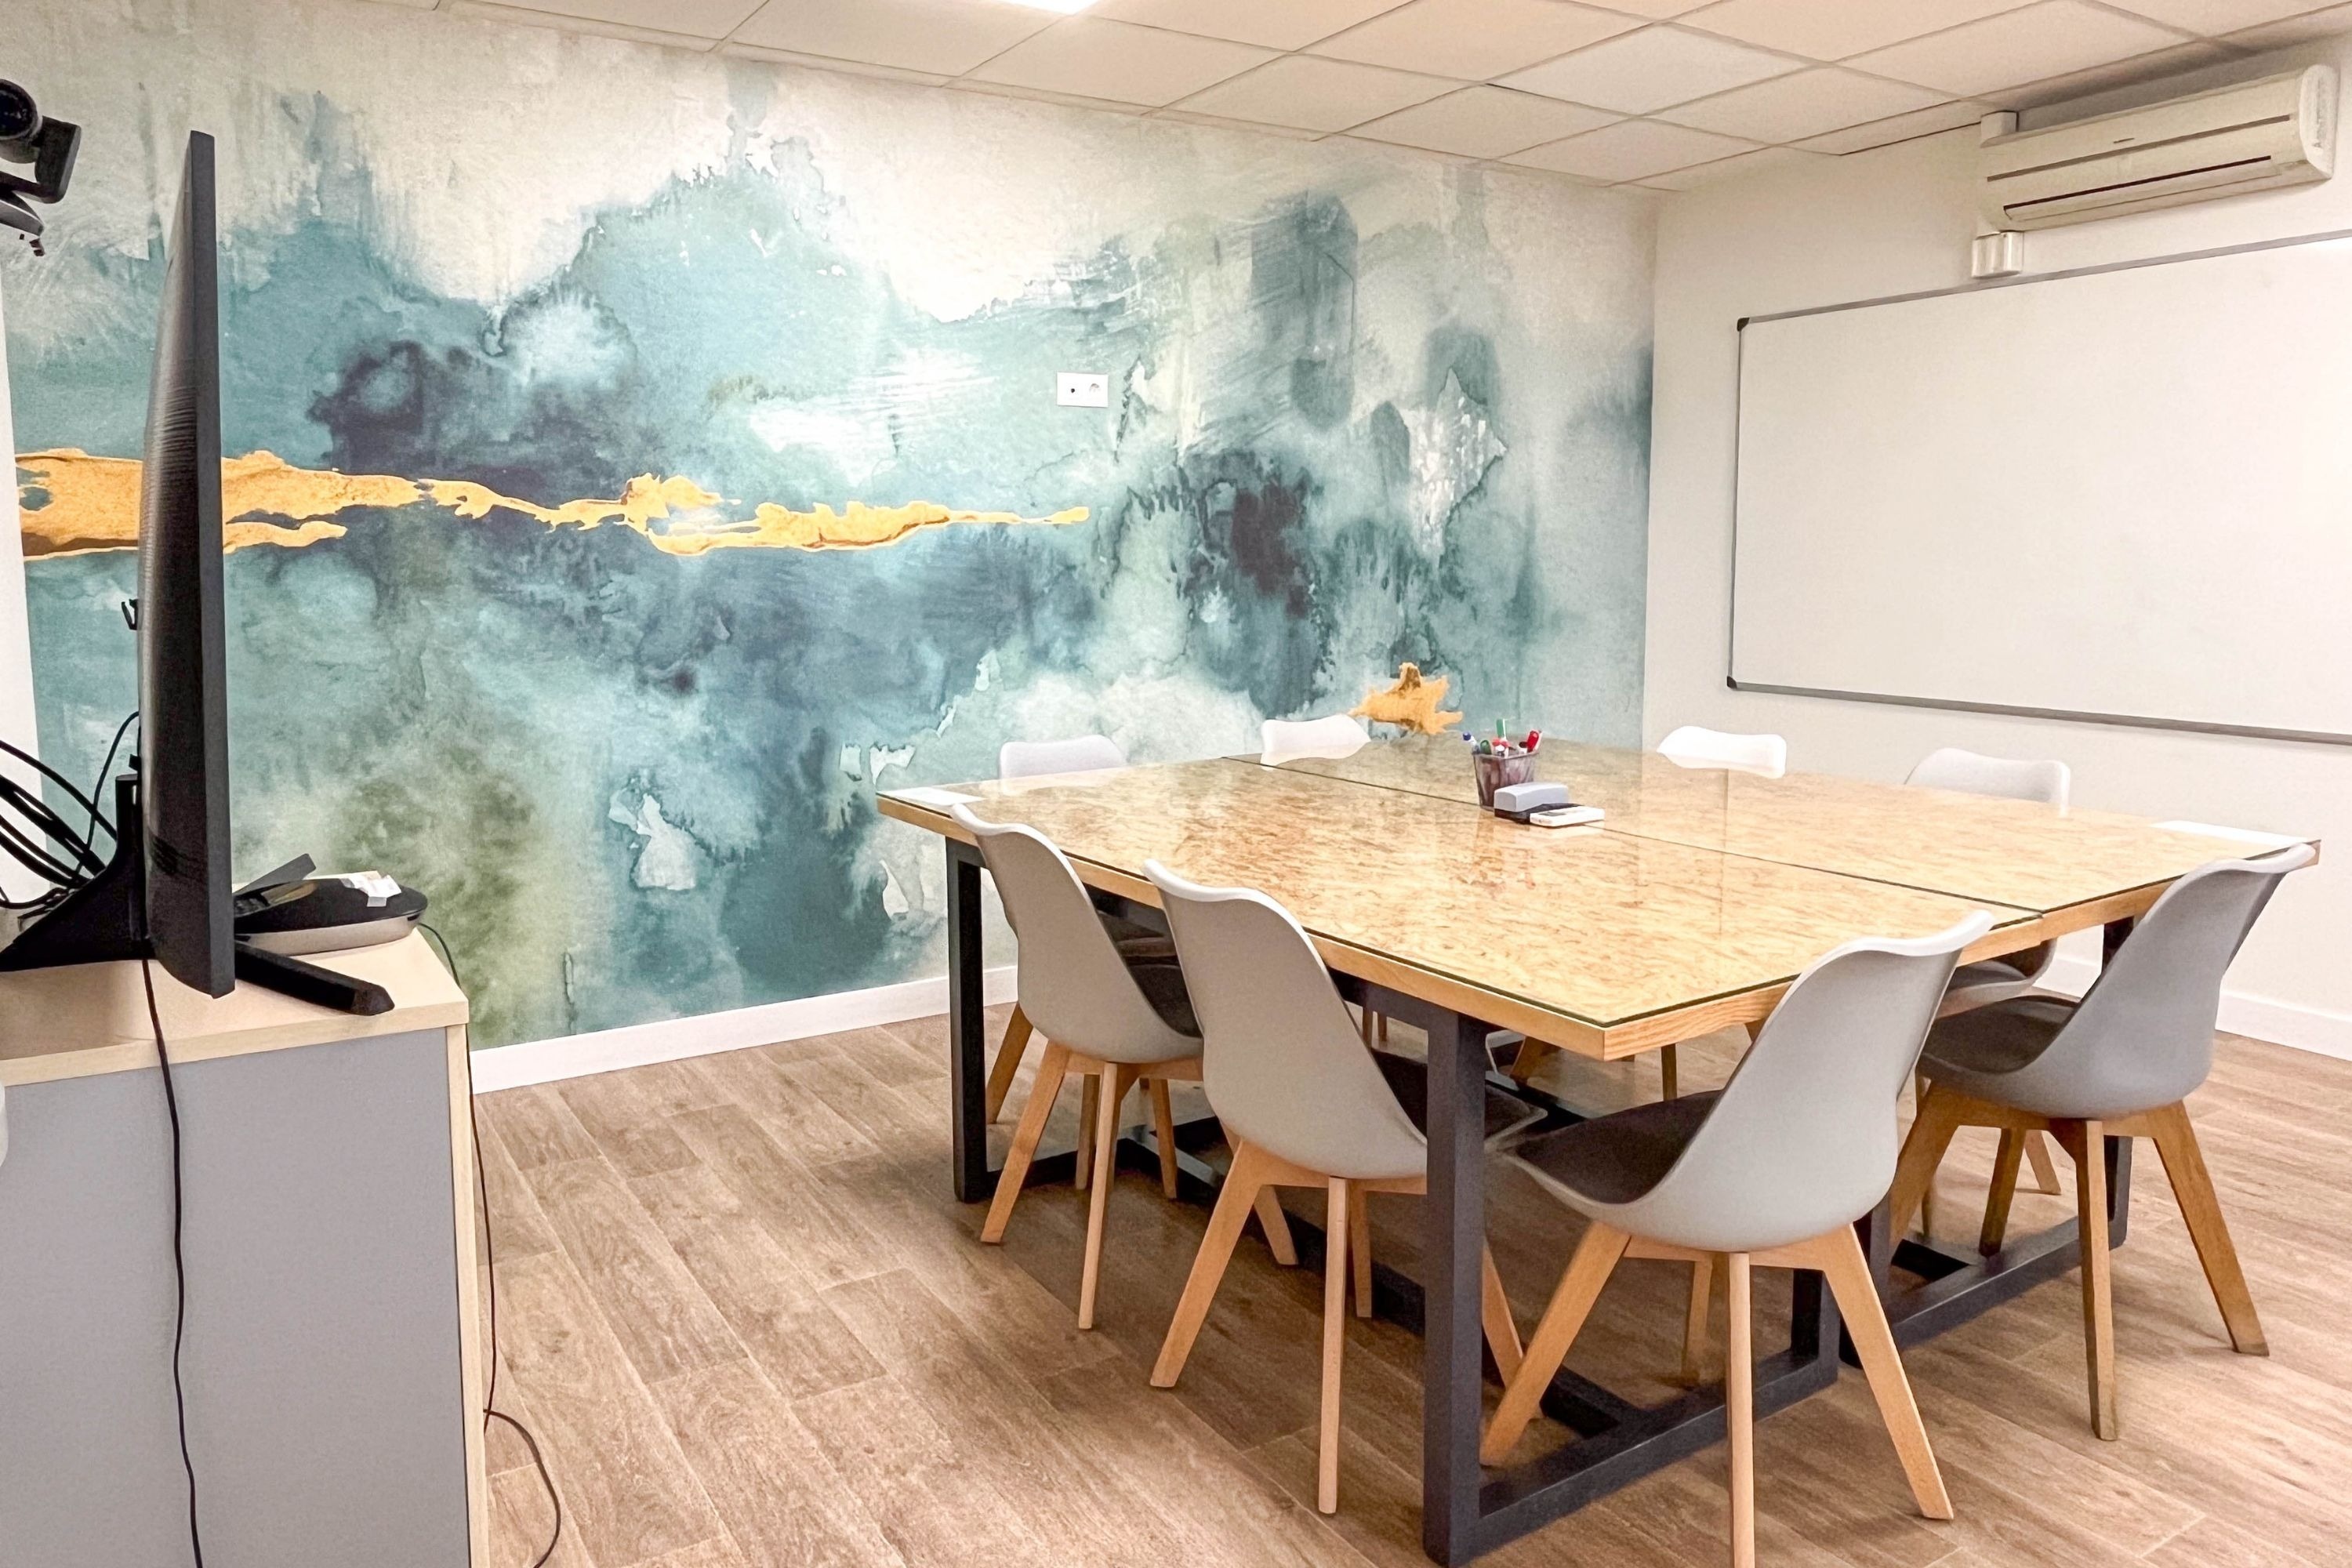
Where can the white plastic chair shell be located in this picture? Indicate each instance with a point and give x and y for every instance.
(2047, 782)
(1333, 735)
(1694, 747)
(1079, 754)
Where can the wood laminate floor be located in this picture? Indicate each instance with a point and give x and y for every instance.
(752, 1329)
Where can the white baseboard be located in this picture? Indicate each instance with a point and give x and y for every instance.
(2257, 1017)
(669, 1040)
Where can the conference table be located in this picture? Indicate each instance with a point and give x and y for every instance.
(1692, 906)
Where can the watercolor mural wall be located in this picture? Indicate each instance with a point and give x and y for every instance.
(635, 456)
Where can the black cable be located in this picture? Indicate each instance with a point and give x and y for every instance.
(73, 790)
(490, 1255)
(179, 1259)
(52, 827)
(97, 790)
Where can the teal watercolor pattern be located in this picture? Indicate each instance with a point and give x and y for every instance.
(1364, 410)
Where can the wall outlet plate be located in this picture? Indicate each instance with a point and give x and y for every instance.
(1082, 389)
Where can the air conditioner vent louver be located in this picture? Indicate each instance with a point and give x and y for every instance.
(2257, 136)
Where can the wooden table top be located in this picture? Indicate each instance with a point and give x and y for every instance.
(1607, 943)
(2011, 852)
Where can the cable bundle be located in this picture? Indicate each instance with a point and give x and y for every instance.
(41, 840)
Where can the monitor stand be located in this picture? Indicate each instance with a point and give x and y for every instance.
(105, 920)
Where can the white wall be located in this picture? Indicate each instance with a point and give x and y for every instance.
(15, 644)
(1898, 220)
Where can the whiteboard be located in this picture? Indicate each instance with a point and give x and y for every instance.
(2121, 494)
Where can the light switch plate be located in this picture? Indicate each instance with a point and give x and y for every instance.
(1082, 389)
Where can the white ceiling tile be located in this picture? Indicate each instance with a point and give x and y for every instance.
(2043, 40)
(2107, 79)
(2301, 30)
(411, 5)
(1832, 29)
(1039, 95)
(944, 36)
(1641, 71)
(696, 18)
(1219, 123)
(1738, 166)
(1631, 150)
(1474, 39)
(1898, 128)
(1485, 123)
(597, 26)
(1804, 103)
(1655, 10)
(1090, 57)
(821, 62)
(2214, 17)
(1310, 94)
(1276, 24)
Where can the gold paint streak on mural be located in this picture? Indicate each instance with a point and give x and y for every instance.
(73, 503)
(1413, 703)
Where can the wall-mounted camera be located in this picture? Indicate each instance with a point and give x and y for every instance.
(48, 145)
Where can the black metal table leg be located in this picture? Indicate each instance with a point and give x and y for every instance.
(1455, 1214)
(967, 1027)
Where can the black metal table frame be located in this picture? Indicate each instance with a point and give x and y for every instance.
(1467, 1512)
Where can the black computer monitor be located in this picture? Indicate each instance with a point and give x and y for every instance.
(182, 670)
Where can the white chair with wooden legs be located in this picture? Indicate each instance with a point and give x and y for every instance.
(1771, 1171)
(2046, 781)
(1108, 1018)
(1018, 760)
(2120, 1063)
(1290, 739)
(1304, 1104)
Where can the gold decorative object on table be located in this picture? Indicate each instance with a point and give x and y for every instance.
(1413, 703)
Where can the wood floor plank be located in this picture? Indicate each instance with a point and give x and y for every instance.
(664, 1321)
(803, 1123)
(623, 1114)
(629, 1492)
(516, 1227)
(521, 1521)
(772, 1484)
(889, 1056)
(770, 1302)
(826, 1245)
(536, 1126)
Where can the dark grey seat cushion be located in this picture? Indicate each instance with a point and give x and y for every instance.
(1617, 1158)
(1162, 984)
(1408, 1080)
(1137, 942)
(1971, 1051)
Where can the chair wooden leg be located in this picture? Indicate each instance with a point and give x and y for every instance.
(1589, 1267)
(2045, 1170)
(1089, 1104)
(1276, 1224)
(1865, 1323)
(1235, 1201)
(2087, 1141)
(1360, 1251)
(1117, 1081)
(1695, 1346)
(1922, 1151)
(1164, 1129)
(1670, 1074)
(2005, 1189)
(2192, 1184)
(1335, 1228)
(1008, 1061)
(1041, 1095)
(1530, 1056)
(1383, 1017)
(1494, 1315)
(1364, 1024)
(1740, 1410)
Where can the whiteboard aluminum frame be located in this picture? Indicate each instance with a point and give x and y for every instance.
(2065, 715)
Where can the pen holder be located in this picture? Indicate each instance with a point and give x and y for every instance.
(1494, 772)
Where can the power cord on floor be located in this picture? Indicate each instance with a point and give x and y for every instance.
(179, 1260)
(490, 1250)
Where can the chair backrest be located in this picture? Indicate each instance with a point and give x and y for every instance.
(1333, 735)
(2143, 1037)
(1280, 1060)
(1973, 772)
(1694, 747)
(1804, 1137)
(1073, 985)
(1079, 754)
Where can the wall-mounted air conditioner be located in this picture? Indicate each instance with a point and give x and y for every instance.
(2280, 131)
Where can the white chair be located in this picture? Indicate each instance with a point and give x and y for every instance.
(1017, 759)
(2121, 1063)
(1304, 1104)
(1079, 754)
(1288, 739)
(1981, 983)
(1104, 1015)
(1693, 747)
(1773, 1170)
